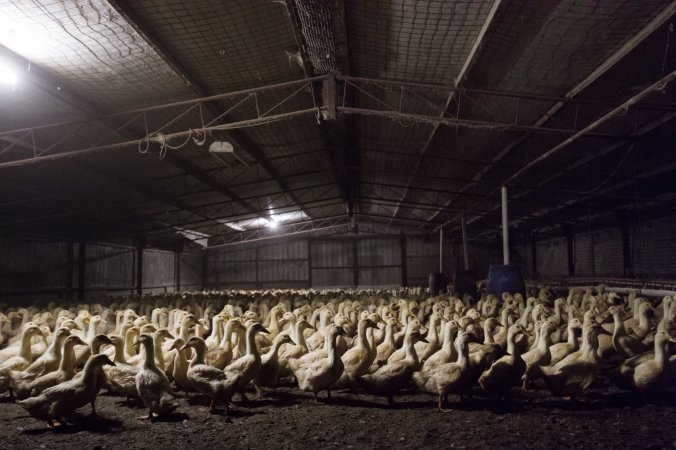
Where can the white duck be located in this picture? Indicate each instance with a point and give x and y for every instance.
(152, 384)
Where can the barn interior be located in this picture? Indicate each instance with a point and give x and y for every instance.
(224, 157)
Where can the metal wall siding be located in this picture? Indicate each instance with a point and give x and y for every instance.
(608, 252)
(552, 259)
(584, 264)
(332, 253)
(158, 268)
(109, 266)
(655, 249)
(191, 271)
(32, 265)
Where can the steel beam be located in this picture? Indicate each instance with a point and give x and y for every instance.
(458, 80)
(610, 62)
(243, 141)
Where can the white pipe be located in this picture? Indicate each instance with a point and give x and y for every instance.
(505, 227)
(465, 250)
(441, 250)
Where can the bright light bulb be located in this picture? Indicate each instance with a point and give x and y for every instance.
(7, 75)
(273, 224)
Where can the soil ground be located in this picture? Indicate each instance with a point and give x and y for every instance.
(289, 418)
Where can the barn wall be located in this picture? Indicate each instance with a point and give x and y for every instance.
(33, 266)
(327, 262)
(599, 253)
(34, 269)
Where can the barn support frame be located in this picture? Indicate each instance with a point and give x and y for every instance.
(81, 269)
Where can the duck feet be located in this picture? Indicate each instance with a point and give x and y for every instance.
(213, 409)
(151, 416)
(440, 405)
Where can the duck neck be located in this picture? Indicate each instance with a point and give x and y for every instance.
(618, 329)
(643, 319)
(56, 346)
(660, 352)
(463, 351)
(572, 341)
(184, 332)
(159, 356)
(91, 332)
(389, 335)
(433, 335)
(409, 345)
(543, 342)
(149, 360)
(299, 336)
(331, 352)
(362, 341)
(251, 348)
(66, 364)
(271, 355)
(25, 348)
(226, 341)
(119, 353)
(90, 371)
(512, 348)
(199, 355)
(273, 326)
(488, 335)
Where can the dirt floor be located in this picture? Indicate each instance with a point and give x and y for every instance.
(289, 418)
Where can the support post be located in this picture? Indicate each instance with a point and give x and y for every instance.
(309, 263)
(355, 260)
(465, 248)
(70, 269)
(204, 270)
(177, 271)
(534, 251)
(404, 262)
(441, 250)
(140, 245)
(505, 227)
(570, 249)
(625, 230)
(81, 269)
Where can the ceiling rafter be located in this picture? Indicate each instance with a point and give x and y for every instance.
(601, 69)
(242, 140)
(459, 79)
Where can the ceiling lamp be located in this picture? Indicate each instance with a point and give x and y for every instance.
(7, 75)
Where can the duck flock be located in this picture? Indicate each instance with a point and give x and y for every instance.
(159, 349)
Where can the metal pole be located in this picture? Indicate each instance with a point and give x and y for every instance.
(465, 250)
(441, 250)
(505, 227)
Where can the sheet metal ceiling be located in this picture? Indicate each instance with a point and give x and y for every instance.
(82, 59)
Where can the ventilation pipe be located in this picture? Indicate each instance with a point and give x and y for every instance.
(505, 227)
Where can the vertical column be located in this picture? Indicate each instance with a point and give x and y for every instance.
(140, 245)
(505, 226)
(625, 230)
(465, 248)
(570, 249)
(258, 286)
(534, 251)
(81, 269)
(177, 270)
(441, 250)
(404, 261)
(309, 263)
(355, 260)
(204, 269)
(70, 269)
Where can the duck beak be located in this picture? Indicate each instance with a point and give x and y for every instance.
(183, 347)
(264, 330)
(136, 344)
(291, 342)
(422, 339)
